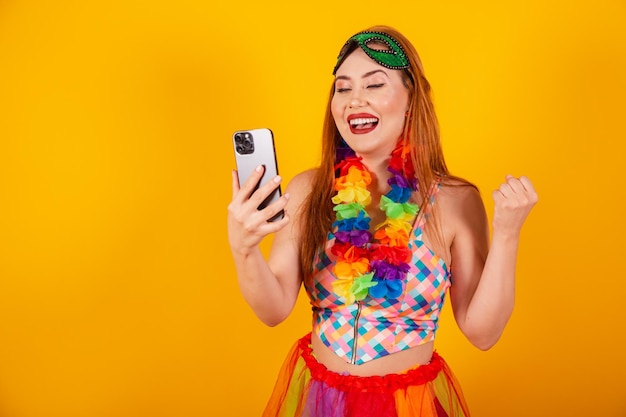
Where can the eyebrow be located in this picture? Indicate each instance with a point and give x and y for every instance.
(367, 74)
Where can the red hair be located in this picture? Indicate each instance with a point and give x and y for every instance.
(421, 130)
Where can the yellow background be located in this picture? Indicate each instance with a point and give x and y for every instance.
(117, 291)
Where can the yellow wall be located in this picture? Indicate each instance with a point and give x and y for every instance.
(117, 292)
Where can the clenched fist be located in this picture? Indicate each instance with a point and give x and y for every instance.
(513, 202)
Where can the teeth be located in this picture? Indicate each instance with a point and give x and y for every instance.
(363, 121)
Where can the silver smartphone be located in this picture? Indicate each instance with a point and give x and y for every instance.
(253, 148)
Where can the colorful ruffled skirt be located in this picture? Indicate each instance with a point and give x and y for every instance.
(306, 388)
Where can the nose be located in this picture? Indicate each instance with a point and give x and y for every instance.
(356, 98)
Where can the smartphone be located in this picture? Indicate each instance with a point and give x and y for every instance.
(253, 148)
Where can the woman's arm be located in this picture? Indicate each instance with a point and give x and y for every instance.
(483, 277)
(270, 287)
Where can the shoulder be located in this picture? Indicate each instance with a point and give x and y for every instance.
(300, 185)
(299, 188)
(456, 193)
(304, 178)
(461, 204)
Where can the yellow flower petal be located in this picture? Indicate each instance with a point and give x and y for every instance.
(342, 288)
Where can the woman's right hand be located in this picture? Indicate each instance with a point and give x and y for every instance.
(247, 225)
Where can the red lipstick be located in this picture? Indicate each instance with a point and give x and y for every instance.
(361, 123)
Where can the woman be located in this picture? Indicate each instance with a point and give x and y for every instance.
(379, 233)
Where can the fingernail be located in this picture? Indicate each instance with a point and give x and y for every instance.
(287, 196)
(277, 179)
(259, 168)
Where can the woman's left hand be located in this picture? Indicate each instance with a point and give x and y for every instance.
(513, 202)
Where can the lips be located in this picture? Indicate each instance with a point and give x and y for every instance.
(362, 123)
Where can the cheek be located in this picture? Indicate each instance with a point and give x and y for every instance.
(395, 107)
(336, 109)
(400, 101)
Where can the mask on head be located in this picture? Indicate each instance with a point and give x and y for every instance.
(392, 58)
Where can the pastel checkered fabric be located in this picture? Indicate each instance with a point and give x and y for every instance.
(382, 326)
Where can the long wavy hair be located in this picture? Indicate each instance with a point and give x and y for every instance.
(421, 130)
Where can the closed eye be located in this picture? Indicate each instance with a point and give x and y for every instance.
(375, 85)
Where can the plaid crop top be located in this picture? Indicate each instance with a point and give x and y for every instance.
(376, 327)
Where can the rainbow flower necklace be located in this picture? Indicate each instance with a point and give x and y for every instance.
(369, 265)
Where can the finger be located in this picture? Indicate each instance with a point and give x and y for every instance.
(506, 190)
(275, 226)
(497, 196)
(265, 190)
(247, 188)
(515, 184)
(273, 209)
(528, 185)
(259, 220)
(235, 183)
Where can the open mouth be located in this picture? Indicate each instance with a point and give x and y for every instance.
(363, 124)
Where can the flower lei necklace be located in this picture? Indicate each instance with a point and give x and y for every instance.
(366, 266)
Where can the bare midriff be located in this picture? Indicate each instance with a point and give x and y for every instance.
(390, 364)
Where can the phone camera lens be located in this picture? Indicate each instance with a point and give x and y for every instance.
(244, 143)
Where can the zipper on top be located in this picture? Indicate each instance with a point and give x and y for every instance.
(356, 332)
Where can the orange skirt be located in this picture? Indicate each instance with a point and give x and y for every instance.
(306, 388)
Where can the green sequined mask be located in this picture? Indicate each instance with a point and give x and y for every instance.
(393, 58)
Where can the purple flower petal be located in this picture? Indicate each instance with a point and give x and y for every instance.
(355, 237)
(385, 271)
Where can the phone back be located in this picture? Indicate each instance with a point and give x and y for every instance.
(253, 148)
